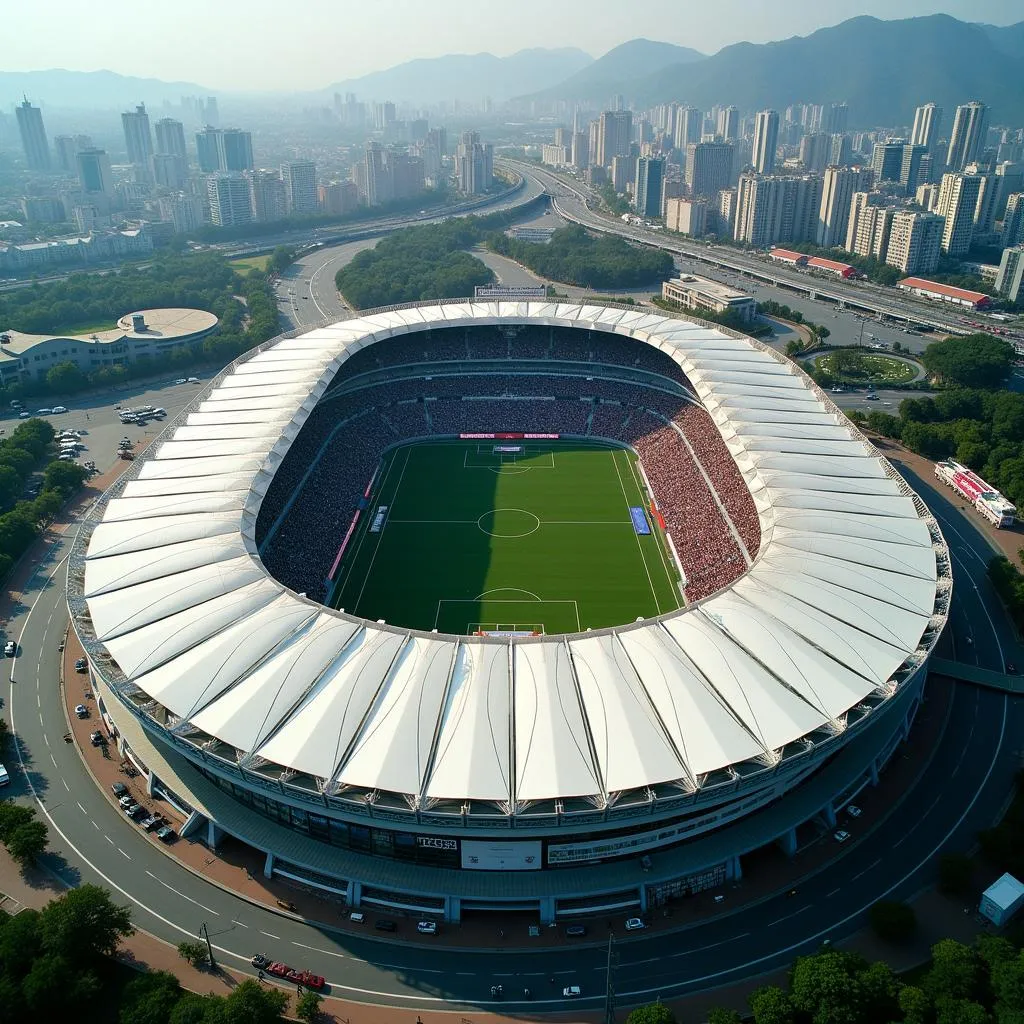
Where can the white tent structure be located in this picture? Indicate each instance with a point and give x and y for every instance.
(840, 606)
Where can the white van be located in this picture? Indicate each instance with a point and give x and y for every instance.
(4, 777)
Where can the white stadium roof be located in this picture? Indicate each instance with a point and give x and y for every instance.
(833, 611)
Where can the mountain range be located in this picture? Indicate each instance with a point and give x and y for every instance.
(882, 69)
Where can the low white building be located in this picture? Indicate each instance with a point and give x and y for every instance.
(697, 293)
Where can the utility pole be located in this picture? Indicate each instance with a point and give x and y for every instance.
(609, 991)
(204, 931)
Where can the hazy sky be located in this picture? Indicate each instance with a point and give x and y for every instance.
(280, 45)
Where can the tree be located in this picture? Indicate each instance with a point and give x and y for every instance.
(652, 1013)
(955, 973)
(721, 1016)
(893, 921)
(307, 1006)
(976, 361)
(54, 988)
(955, 871)
(825, 987)
(915, 1006)
(149, 999)
(770, 1005)
(27, 842)
(251, 1003)
(12, 817)
(196, 1009)
(65, 379)
(193, 953)
(961, 1011)
(84, 924)
(65, 477)
(280, 258)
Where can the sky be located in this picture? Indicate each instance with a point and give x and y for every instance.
(269, 45)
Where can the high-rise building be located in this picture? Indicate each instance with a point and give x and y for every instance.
(230, 202)
(474, 162)
(872, 235)
(94, 171)
(168, 170)
(137, 137)
(206, 150)
(170, 137)
(687, 127)
(766, 140)
(967, 140)
(622, 173)
(185, 212)
(67, 147)
(1010, 279)
(910, 167)
(776, 209)
(377, 181)
(650, 178)
(614, 136)
(1011, 180)
(1013, 220)
(725, 219)
(579, 154)
(927, 123)
(224, 149)
(985, 207)
(267, 197)
(915, 239)
(687, 216)
(33, 136)
(887, 160)
(709, 167)
(841, 150)
(407, 173)
(835, 118)
(838, 187)
(958, 199)
(728, 126)
(299, 177)
(815, 150)
(338, 197)
(859, 202)
(927, 196)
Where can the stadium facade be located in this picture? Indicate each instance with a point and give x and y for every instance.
(616, 768)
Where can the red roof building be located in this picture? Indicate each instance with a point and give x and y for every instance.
(945, 293)
(832, 266)
(788, 256)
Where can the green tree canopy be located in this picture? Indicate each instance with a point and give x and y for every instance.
(84, 924)
(975, 361)
(66, 379)
(27, 842)
(652, 1013)
(150, 999)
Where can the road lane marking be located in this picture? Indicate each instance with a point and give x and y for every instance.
(178, 892)
(82, 809)
(269, 936)
(53, 760)
(123, 854)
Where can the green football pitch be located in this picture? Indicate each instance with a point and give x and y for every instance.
(538, 540)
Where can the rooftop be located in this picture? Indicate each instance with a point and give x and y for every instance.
(709, 287)
(943, 289)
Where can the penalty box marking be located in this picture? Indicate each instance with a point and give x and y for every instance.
(503, 600)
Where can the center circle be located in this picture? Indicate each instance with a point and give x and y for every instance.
(508, 523)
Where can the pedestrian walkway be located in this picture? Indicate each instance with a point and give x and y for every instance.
(978, 676)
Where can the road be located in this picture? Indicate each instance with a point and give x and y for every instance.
(963, 790)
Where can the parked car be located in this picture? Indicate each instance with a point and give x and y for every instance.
(98, 739)
(44, 412)
(60, 408)
(193, 380)
(166, 834)
(181, 380)
(81, 665)
(840, 836)
(356, 917)
(261, 961)
(10, 648)
(634, 924)
(24, 415)
(576, 931)
(81, 711)
(133, 809)
(118, 789)
(853, 811)
(427, 927)
(153, 821)
(282, 970)
(571, 992)
(4, 776)
(126, 800)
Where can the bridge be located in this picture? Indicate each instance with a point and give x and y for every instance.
(976, 676)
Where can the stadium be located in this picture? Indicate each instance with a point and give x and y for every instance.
(474, 606)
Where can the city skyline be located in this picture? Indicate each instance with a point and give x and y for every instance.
(265, 60)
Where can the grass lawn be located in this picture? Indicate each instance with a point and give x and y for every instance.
(538, 540)
(861, 367)
(247, 263)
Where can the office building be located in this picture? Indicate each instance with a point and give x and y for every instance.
(168, 170)
(33, 136)
(910, 167)
(474, 164)
(579, 155)
(687, 216)
(887, 160)
(299, 177)
(701, 293)
(94, 171)
(838, 187)
(229, 198)
(927, 196)
(967, 140)
(776, 209)
(185, 212)
(65, 147)
(224, 149)
(1013, 220)
(686, 130)
(766, 141)
(1010, 279)
(709, 167)
(650, 178)
(915, 240)
(927, 123)
(137, 137)
(338, 197)
(958, 199)
(614, 136)
(42, 209)
(267, 196)
(170, 137)
(206, 150)
(841, 150)
(728, 126)
(815, 150)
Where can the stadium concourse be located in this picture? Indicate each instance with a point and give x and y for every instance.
(618, 767)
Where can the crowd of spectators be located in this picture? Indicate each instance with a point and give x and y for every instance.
(321, 481)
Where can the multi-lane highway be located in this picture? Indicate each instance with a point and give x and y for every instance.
(965, 785)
